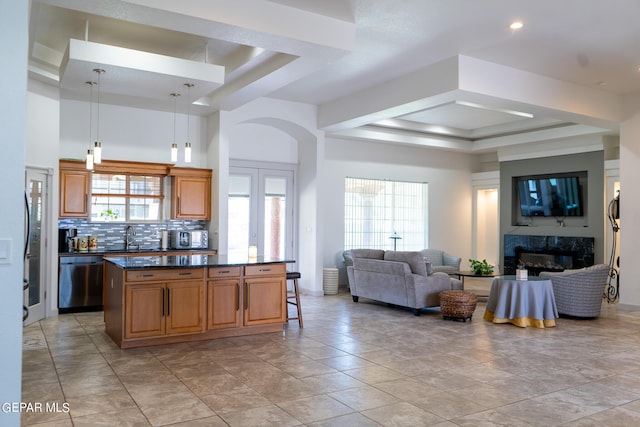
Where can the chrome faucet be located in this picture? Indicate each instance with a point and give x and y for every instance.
(128, 239)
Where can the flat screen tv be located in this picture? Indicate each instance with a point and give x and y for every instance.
(551, 196)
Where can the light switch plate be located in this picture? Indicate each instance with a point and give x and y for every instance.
(5, 251)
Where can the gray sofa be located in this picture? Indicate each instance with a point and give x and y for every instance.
(442, 261)
(395, 277)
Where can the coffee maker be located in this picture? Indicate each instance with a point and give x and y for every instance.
(65, 235)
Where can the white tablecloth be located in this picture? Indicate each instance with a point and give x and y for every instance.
(521, 302)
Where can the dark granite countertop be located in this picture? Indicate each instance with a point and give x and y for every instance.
(187, 261)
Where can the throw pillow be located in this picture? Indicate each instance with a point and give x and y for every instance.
(429, 267)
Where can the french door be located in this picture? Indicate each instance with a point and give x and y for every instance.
(37, 182)
(261, 212)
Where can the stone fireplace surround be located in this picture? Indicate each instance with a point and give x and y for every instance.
(546, 253)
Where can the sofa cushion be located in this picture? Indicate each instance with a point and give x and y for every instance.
(351, 254)
(414, 259)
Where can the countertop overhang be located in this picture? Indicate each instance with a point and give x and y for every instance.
(188, 261)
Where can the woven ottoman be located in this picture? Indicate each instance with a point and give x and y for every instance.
(457, 305)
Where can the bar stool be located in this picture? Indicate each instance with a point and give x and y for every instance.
(294, 275)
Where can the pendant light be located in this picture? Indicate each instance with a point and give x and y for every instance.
(174, 146)
(187, 145)
(97, 145)
(89, 159)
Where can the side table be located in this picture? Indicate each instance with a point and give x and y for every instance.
(462, 274)
(522, 302)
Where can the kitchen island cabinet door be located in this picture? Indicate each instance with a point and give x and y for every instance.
(185, 307)
(223, 303)
(144, 310)
(264, 300)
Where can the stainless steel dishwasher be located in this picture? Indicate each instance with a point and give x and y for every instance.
(80, 283)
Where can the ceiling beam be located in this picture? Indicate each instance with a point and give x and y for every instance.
(468, 79)
(394, 136)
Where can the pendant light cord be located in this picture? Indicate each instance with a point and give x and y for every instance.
(175, 109)
(90, 110)
(99, 71)
(188, 85)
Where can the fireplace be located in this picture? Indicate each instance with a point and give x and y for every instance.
(535, 262)
(546, 253)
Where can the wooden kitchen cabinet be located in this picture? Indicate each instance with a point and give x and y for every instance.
(265, 294)
(144, 307)
(185, 307)
(75, 188)
(155, 308)
(190, 193)
(223, 298)
(150, 304)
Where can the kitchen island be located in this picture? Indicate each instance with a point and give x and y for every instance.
(152, 300)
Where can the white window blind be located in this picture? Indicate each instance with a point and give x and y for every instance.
(376, 210)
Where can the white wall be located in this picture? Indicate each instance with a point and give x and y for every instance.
(487, 227)
(43, 145)
(262, 143)
(131, 134)
(284, 132)
(43, 125)
(13, 85)
(448, 175)
(630, 210)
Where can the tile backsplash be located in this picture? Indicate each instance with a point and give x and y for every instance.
(111, 235)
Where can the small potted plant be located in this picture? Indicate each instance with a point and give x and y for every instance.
(521, 272)
(109, 215)
(480, 267)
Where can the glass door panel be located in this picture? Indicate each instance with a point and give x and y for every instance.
(260, 212)
(34, 261)
(241, 222)
(275, 208)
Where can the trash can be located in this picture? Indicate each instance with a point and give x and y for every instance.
(330, 281)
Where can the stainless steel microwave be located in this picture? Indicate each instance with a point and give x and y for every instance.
(198, 239)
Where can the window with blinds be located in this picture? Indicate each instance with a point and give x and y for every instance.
(126, 197)
(377, 210)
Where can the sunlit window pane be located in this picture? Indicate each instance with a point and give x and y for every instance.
(141, 209)
(274, 217)
(147, 185)
(121, 197)
(108, 209)
(375, 210)
(239, 212)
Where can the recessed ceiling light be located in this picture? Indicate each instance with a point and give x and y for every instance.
(601, 83)
(516, 25)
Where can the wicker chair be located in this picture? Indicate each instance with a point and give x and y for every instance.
(579, 292)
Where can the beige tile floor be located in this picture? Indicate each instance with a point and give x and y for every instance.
(363, 364)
